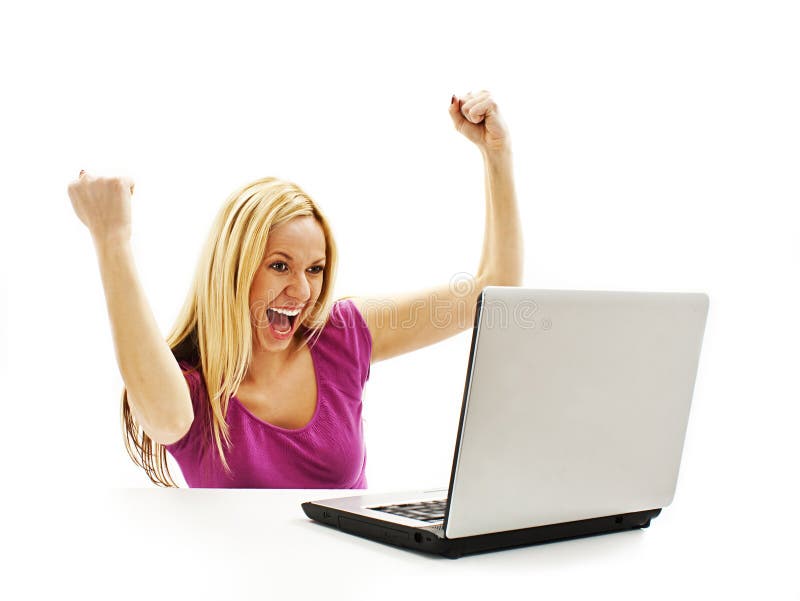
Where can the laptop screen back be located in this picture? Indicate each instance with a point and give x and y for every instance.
(576, 406)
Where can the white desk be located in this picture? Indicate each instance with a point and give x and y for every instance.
(257, 544)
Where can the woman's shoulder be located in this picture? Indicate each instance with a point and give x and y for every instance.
(346, 320)
(345, 312)
(347, 327)
(193, 374)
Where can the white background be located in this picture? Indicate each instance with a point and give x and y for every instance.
(655, 148)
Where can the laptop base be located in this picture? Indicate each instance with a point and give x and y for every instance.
(423, 539)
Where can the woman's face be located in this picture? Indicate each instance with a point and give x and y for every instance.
(290, 277)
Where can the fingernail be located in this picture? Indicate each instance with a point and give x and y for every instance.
(453, 99)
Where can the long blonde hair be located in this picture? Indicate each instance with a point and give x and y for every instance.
(213, 330)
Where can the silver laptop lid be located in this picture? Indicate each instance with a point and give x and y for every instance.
(576, 406)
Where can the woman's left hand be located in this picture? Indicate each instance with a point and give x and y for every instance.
(476, 116)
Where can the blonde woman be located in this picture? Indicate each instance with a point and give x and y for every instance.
(259, 383)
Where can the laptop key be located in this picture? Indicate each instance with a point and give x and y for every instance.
(426, 511)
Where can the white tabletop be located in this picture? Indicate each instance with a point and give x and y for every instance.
(256, 544)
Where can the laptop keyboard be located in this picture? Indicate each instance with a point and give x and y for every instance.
(426, 511)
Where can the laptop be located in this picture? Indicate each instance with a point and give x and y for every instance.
(573, 420)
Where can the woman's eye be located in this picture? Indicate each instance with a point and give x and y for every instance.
(316, 269)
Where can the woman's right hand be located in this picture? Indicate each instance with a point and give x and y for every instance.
(103, 204)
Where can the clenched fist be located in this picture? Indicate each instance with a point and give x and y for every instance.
(477, 117)
(103, 204)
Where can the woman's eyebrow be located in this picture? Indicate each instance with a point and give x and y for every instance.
(278, 252)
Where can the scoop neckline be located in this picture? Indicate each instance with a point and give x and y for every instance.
(313, 417)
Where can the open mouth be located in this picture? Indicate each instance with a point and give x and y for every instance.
(282, 324)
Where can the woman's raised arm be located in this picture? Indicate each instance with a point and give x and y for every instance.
(406, 322)
(158, 394)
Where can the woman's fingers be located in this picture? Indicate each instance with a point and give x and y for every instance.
(477, 118)
(455, 112)
(103, 204)
(480, 110)
(471, 98)
(128, 183)
(463, 125)
(475, 106)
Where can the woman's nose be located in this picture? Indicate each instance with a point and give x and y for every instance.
(300, 287)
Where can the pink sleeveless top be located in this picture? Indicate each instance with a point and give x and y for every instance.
(328, 452)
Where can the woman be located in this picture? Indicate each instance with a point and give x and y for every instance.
(259, 383)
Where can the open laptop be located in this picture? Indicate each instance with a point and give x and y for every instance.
(572, 423)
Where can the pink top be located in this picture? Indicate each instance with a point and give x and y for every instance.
(328, 452)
